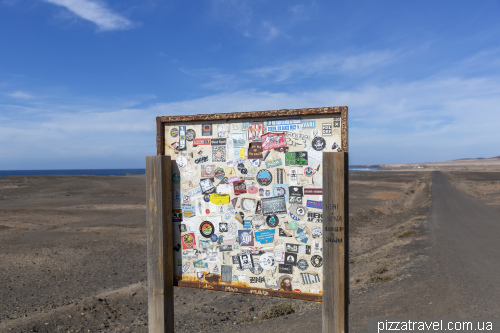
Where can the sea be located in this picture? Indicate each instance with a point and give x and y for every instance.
(86, 172)
(115, 172)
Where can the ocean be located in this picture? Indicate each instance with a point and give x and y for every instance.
(115, 172)
(88, 172)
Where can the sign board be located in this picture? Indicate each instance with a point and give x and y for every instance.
(247, 198)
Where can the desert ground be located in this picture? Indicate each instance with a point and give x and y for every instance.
(73, 257)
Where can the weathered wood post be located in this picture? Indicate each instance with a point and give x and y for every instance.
(335, 242)
(160, 248)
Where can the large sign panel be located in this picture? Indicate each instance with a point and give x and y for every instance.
(247, 201)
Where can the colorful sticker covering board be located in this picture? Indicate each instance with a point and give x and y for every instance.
(251, 221)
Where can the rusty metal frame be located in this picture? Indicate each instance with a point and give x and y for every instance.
(160, 149)
(160, 121)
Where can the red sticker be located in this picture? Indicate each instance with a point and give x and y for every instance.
(207, 211)
(201, 142)
(273, 140)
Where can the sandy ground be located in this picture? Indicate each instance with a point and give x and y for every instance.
(73, 259)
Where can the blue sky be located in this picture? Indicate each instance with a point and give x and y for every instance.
(81, 81)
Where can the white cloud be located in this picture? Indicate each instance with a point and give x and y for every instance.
(95, 12)
(20, 94)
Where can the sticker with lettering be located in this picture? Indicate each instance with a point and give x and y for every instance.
(201, 142)
(206, 129)
(240, 187)
(255, 151)
(296, 158)
(255, 130)
(290, 124)
(314, 204)
(313, 191)
(273, 140)
(318, 143)
(308, 124)
(274, 163)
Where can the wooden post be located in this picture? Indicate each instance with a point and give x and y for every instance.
(335, 242)
(160, 248)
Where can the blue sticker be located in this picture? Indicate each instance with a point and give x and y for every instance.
(314, 204)
(221, 239)
(247, 224)
(245, 237)
(302, 235)
(214, 238)
(188, 211)
(176, 178)
(294, 217)
(200, 264)
(308, 124)
(235, 278)
(290, 124)
(182, 137)
(280, 190)
(266, 236)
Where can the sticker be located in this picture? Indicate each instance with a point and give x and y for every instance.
(316, 261)
(255, 130)
(245, 237)
(256, 270)
(308, 172)
(264, 177)
(201, 160)
(248, 204)
(205, 243)
(295, 191)
(239, 139)
(273, 140)
(282, 149)
(327, 129)
(206, 129)
(186, 267)
(274, 163)
(182, 137)
(234, 201)
(258, 207)
(284, 233)
(208, 171)
(280, 176)
(206, 185)
(181, 162)
(230, 173)
(255, 150)
(280, 190)
(317, 178)
(223, 227)
(219, 154)
(318, 143)
(294, 217)
(302, 235)
(292, 225)
(245, 260)
(214, 238)
(296, 158)
(244, 126)
(247, 224)
(314, 204)
(206, 229)
(313, 191)
(336, 122)
(308, 124)
(314, 217)
(223, 189)
(222, 130)
(291, 258)
(177, 215)
(267, 261)
(188, 241)
(240, 187)
(174, 132)
(276, 205)
(317, 232)
(285, 269)
(190, 135)
(188, 211)
(226, 273)
(308, 278)
(253, 190)
(201, 142)
(219, 199)
(200, 264)
(297, 139)
(300, 211)
(302, 264)
(265, 236)
(290, 124)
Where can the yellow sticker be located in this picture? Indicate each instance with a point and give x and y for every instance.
(219, 199)
(230, 172)
(188, 213)
(242, 152)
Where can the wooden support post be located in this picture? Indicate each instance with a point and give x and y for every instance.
(160, 248)
(335, 242)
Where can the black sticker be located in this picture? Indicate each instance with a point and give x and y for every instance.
(318, 143)
(282, 233)
(206, 229)
(244, 171)
(206, 130)
(235, 260)
(190, 135)
(225, 248)
(274, 205)
(302, 265)
(218, 142)
(240, 166)
(272, 221)
(257, 269)
(264, 177)
(317, 261)
(285, 269)
(291, 258)
(223, 227)
(296, 191)
(293, 248)
(280, 178)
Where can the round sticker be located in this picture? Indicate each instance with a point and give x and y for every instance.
(318, 143)
(272, 221)
(181, 162)
(240, 166)
(244, 171)
(176, 178)
(190, 135)
(207, 127)
(188, 240)
(257, 269)
(253, 190)
(279, 191)
(302, 265)
(294, 217)
(292, 225)
(219, 173)
(174, 132)
(316, 261)
(227, 216)
(206, 197)
(255, 163)
(308, 172)
(316, 232)
(267, 261)
(301, 211)
(206, 229)
(264, 177)
(235, 278)
(248, 204)
(214, 238)
(207, 211)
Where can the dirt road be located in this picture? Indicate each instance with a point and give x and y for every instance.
(468, 237)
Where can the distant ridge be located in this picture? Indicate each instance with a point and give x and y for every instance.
(477, 158)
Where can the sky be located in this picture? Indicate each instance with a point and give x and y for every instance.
(82, 81)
